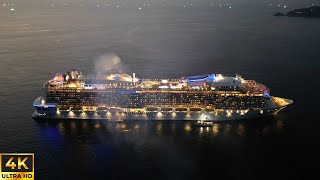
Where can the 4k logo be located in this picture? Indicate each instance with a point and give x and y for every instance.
(17, 166)
(13, 165)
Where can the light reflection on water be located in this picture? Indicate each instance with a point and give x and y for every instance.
(146, 144)
(187, 127)
(215, 129)
(241, 130)
(76, 128)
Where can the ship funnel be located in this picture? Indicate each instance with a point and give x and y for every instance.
(73, 75)
(133, 77)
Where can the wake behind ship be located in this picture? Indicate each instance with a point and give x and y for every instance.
(210, 97)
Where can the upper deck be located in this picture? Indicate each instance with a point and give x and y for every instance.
(208, 83)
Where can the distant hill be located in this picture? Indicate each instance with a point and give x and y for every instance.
(311, 12)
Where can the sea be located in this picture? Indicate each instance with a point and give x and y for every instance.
(280, 52)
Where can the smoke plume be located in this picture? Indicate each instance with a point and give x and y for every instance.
(107, 63)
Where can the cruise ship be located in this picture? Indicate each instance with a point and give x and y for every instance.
(119, 96)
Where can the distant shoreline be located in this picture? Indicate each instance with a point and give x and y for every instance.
(311, 12)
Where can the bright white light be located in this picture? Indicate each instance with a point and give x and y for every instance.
(219, 77)
(229, 113)
(12, 9)
(139, 8)
(71, 113)
(164, 80)
(163, 87)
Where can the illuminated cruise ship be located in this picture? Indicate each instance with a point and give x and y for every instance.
(119, 96)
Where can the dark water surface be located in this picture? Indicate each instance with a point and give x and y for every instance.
(282, 53)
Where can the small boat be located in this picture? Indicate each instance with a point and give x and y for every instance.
(204, 123)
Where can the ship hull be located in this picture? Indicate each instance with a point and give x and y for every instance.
(190, 116)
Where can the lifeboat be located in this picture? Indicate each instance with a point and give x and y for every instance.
(89, 109)
(77, 109)
(209, 109)
(152, 109)
(195, 109)
(64, 108)
(102, 108)
(181, 109)
(166, 109)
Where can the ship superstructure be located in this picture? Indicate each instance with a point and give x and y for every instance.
(211, 97)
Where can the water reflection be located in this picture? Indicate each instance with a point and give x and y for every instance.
(215, 129)
(90, 129)
(187, 127)
(240, 130)
(159, 128)
(97, 125)
(226, 130)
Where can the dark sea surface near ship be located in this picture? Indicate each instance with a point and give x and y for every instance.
(282, 53)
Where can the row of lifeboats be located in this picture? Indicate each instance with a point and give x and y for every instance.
(148, 109)
(178, 109)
